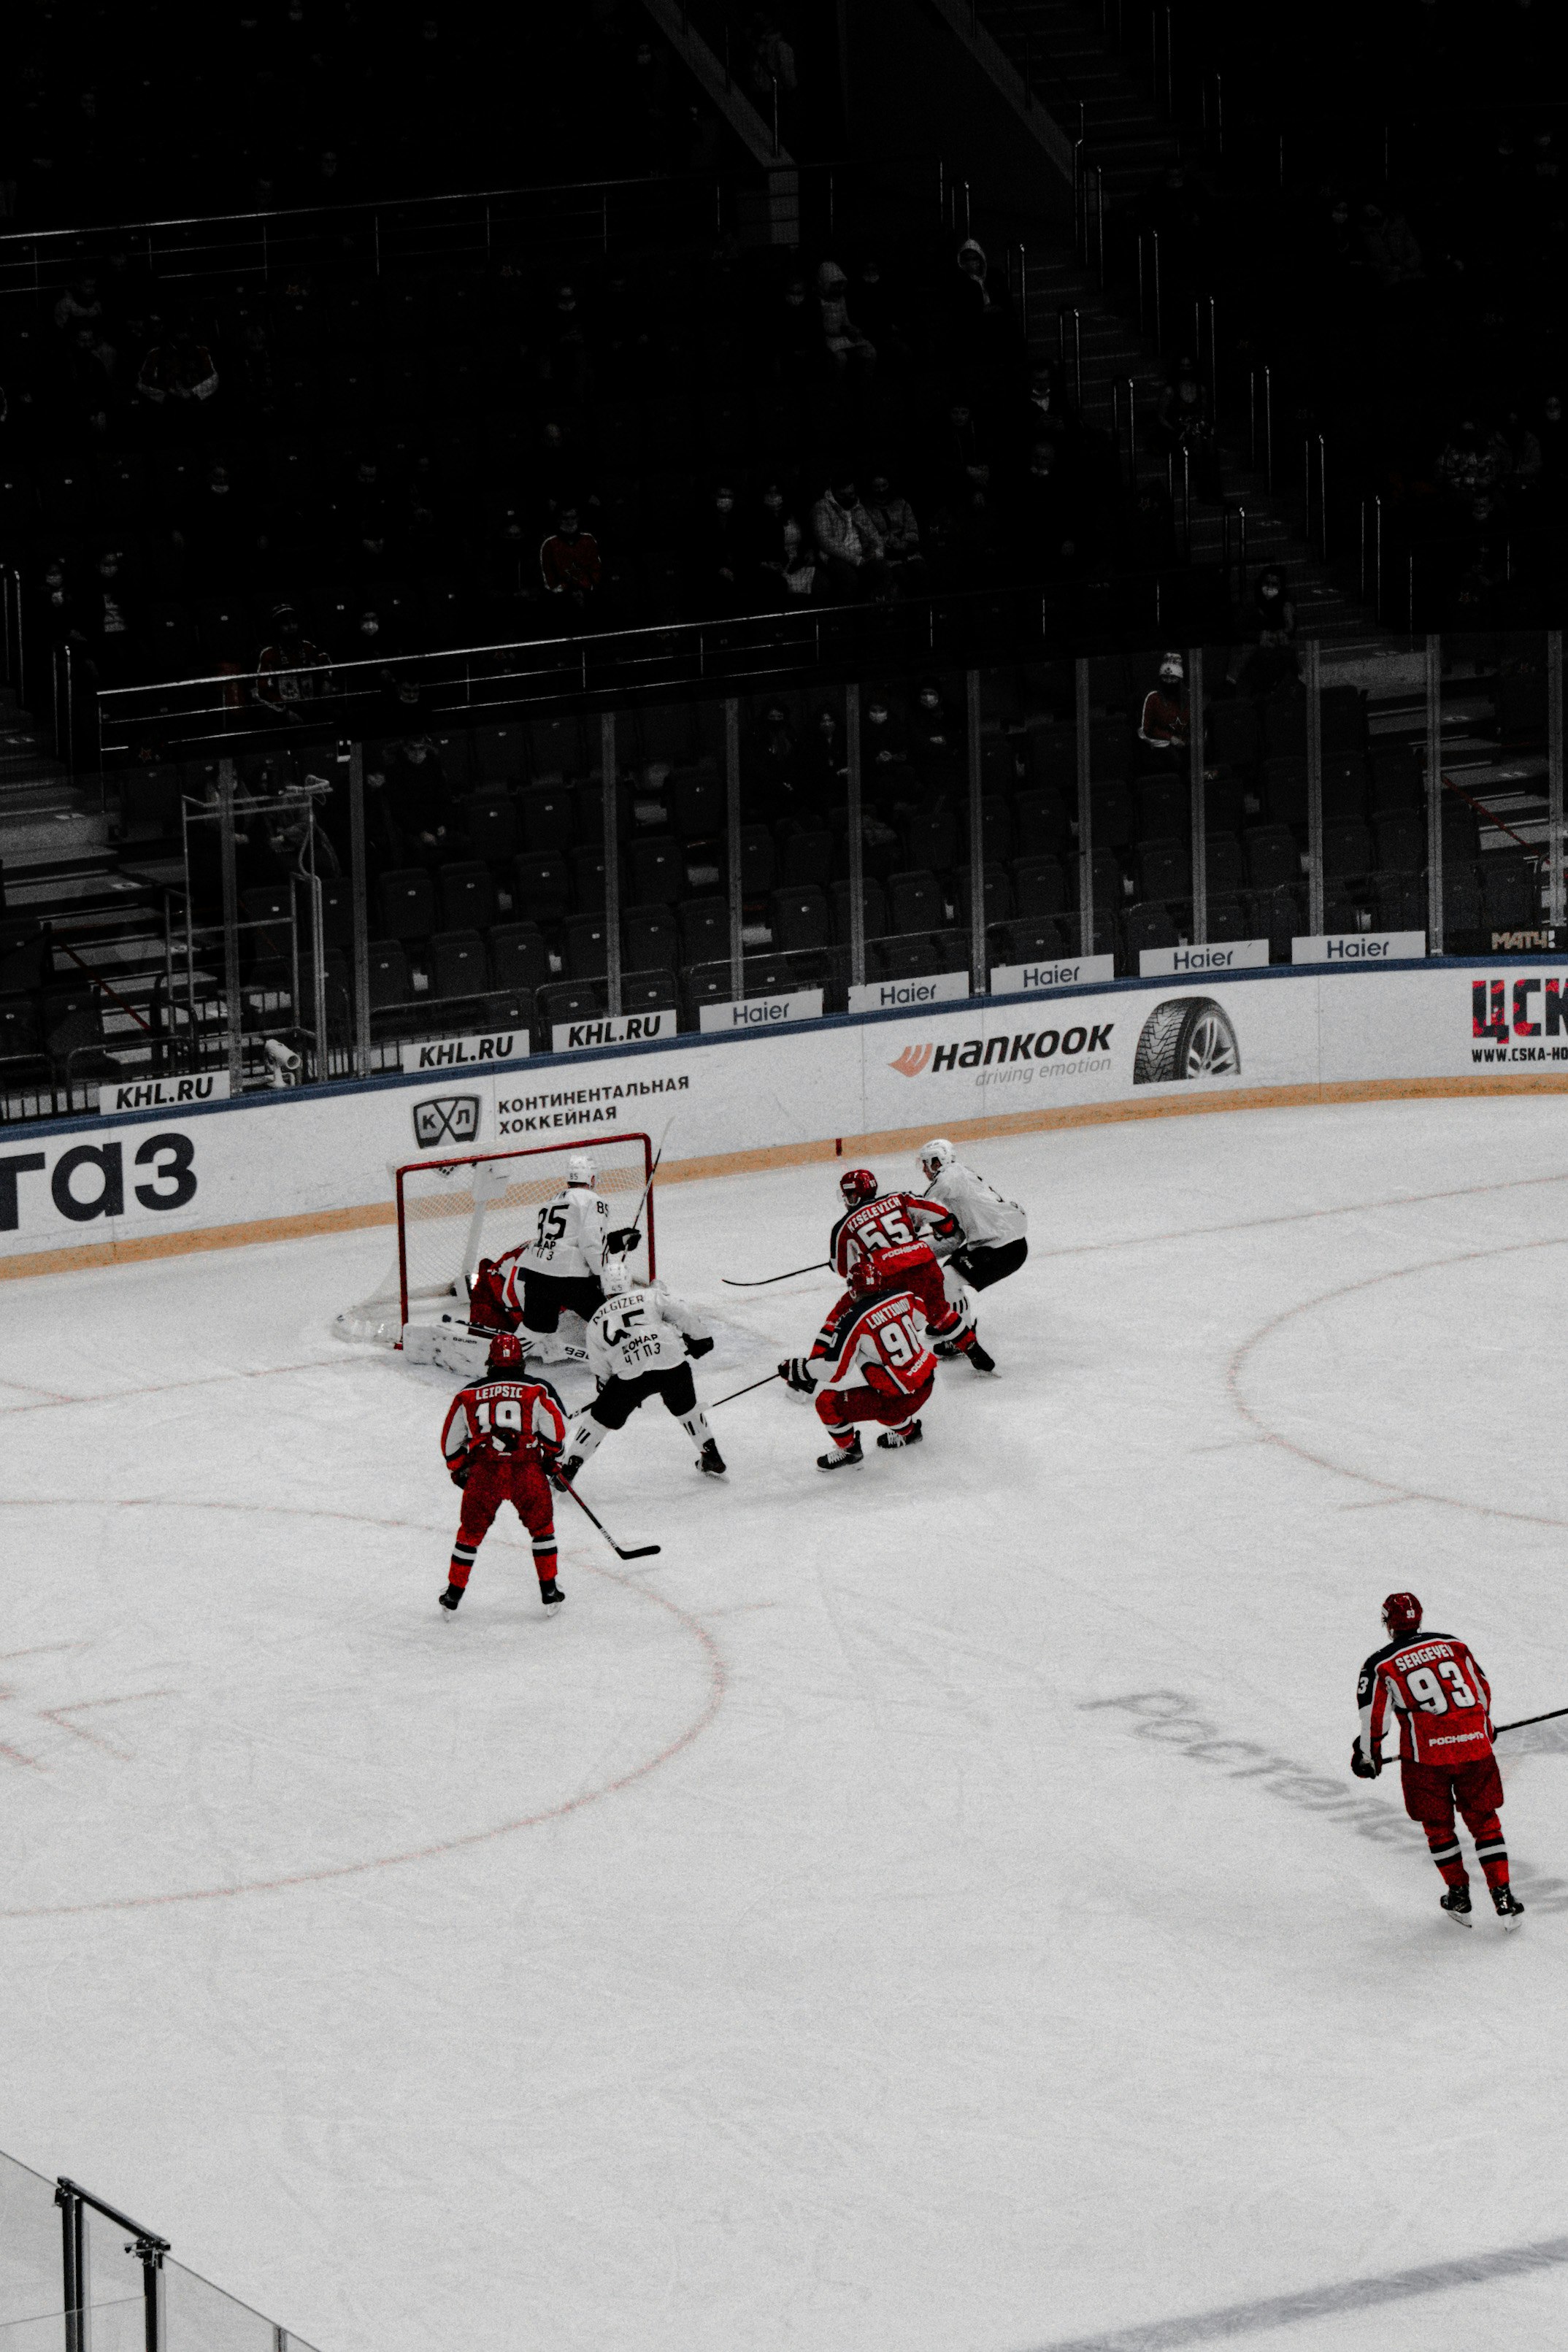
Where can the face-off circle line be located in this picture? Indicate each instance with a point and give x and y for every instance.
(1391, 1488)
(717, 1685)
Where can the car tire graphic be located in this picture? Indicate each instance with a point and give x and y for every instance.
(1186, 1037)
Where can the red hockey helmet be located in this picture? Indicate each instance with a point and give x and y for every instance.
(506, 1352)
(865, 1275)
(1402, 1613)
(856, 1184)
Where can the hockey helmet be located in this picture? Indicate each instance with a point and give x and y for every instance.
(1402, 1613)
(865, 1275)
(506, 1352)
(579, 1169)
(616, 1278)
(856, 1184)
(936, 1155)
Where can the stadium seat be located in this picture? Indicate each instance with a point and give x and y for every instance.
(543, 887)
(998, 895)
(1285, 789)
(807, 859)
(468, 896)
(1233, 733)
(1511, 892)
(587, 862)
(696, 804)
(1347, 848)
(490, 821)
(758, 865)
(657, 872)
(1040, 824)
(1164, 870)
(704, 929)
(458, 964)
(390, 983)
(1148, 925)
(1344, 785)
(519, 957)
(407, 904)
(545, 814)
(1113, 814)
(1039, 887)
(1273, 860)
(915, 902)
(1165, 808)
(1037, 938)
(798, 918)
(1225, 867)
(930, 840)
(650, 939)
(587, 947)
(873, 909)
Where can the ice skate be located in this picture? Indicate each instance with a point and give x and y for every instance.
(945, 1350)
(551, 1594)
(1457, 1904)
(711, 1460)
(841, 1458)
(1508, 1907)
(892, 1439)
(981, 1360)
(451, 1598)
(569, 1468)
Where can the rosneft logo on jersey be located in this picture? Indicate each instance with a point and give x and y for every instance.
(448, 1118)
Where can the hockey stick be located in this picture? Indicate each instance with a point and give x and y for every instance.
(739, 1393)
(1550, 1717)
(622, 1551)
(763, 1285)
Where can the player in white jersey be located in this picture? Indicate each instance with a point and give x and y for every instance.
(640, 1343)
(993, 1229)
(561, 1267)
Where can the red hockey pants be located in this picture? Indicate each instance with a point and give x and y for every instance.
(494, 1480)
(1431, 1793)
(838, 1409)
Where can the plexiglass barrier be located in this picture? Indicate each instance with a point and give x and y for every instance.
(548, 882)
(76, 2275)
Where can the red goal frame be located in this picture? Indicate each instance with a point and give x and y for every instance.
(449, 1159)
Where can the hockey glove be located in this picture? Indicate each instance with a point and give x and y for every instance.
(460, 1469)
(698, 1347)
(1365, 1767)
(797, 1372)
(623, 1239)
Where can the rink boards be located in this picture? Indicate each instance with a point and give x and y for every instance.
(90, 1190)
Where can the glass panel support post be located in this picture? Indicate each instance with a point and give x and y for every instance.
(351, 756)
(1199, 806)
(977, 971)
(1085, 814)
(612, 864)
(854, 816)
(232, 1007)
(1434, 795)
(1314, 789)
(1554, 775)
(732, 845)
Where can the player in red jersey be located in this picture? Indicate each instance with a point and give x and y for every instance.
(892, 1227)
(502, 1434)
(1442, 1701)
(878, 1369)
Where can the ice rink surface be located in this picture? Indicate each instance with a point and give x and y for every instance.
(926, 1906)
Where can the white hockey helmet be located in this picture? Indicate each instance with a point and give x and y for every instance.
(936, 1155)
(616, 1277)
(580, 1169)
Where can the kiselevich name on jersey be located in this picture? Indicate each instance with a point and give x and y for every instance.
(1065, 1052)
(448, 1119)
(579, 1106)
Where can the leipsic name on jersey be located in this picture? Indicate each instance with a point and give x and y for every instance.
(515, 1418)
(1439, 1695)
(893, 1221)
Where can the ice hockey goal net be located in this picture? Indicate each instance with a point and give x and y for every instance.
(451, 1212)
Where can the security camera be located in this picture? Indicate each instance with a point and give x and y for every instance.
(284, 1065)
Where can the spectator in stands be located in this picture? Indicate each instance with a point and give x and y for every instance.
(1164, 723)
(1049, 517)
(848, 552)
(842, 339)
(178, 372)
(876, 310)
(773, 75)
(89, 377)
(1265, 654)
(778, 561)
(418, 803)
(825, 765)
(894, 521)
(1184, 427)
(777, 778)
(936, 742)
(717, 560)
(984, 338)
(966, 457)
(280, 690)
(884, 746)
(1392, 254)
(81, 305)
(569, 563)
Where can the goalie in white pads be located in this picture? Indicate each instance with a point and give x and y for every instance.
(639, 1342)
(562, 1267)
(992, 1231)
